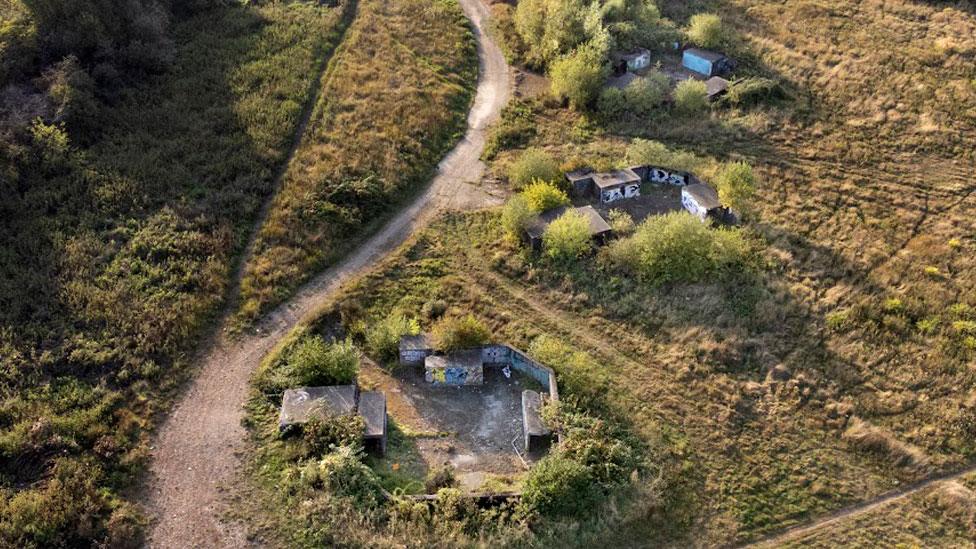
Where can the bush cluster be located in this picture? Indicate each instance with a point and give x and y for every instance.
(323, 435)
(677, 247)
(383, 337)
(542, 196)
(457, 333)
(567, 237)
(531, 166)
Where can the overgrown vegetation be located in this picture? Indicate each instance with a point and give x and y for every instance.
(457, 333)
(137, 141)
(393, 103)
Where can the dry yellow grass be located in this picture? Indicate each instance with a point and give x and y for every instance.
(393, 101)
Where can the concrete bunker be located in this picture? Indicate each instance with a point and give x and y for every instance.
(302, 404)
(600, 230)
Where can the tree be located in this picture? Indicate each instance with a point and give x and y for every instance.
(578, 77)
(705, 30)
(533, 164)
(516, 215)
(550, 28)
(542, 196)
(691, 96)
(568, 237)
(736, 186)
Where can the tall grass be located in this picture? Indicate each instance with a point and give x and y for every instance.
(394, 101)
(114, 255)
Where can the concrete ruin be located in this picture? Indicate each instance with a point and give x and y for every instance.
(706, 63)
(302, 404)
(702, 202)
(414, 349)
(458, 368)
(716, 87)
(633, 61)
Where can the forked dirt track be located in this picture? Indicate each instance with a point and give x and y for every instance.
(197, 450)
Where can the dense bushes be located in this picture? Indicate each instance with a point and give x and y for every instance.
(542, 196)
(456, 333)
(559, 486)
(578, 77)
(516, 216)
(640, 97)
(736, 186)
(533, 165)
(308, 360)
(691, 96)
(383, 337)
(677, 247)
(322, 435)
(567, 237)
(705, 30)
(344, 474)
(116, 246)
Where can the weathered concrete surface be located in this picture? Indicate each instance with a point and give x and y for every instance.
(196, 451)
(301, 404)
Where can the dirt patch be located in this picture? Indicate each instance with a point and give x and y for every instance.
(654, 200)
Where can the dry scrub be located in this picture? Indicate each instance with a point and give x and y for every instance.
(394, 101)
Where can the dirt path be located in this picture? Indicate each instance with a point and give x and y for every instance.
(197, 450)
(796, 533)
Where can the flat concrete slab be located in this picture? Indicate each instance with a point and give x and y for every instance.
(372, 408)
(536, 433)
(480, 425)
(301, 404)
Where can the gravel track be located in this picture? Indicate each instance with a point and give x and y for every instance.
(198, 448)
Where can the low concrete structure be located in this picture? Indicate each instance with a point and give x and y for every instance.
(599, 228)
(302, 404)
(538, 437)
(372, 408)
(716, 87)
(633, 61)
(459, 368)
(702, 201)
(414, 349)
(616, 185)
(706, 63)
(580, 181)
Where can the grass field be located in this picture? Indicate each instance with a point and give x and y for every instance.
(841, 366)
(393, 104)
(115, 255)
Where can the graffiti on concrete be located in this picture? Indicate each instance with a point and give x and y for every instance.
(631, 191)
(659, 175)
(612, 195)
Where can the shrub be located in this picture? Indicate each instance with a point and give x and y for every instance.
(383, 338)
(654, 153)
(559, 486)
(313, 362)
(736, 186)
(441, 477)
(691, 96)
(434, 309)
(453, 333)
(542, 196)
(568, 237)
(752, 91)
(578, 78)
(533, 165)
(705, 30)
(345, 475)
(321, 435)
(516, 215)
(621, 222)
(612, 102)
(677, 247)
(515, 129)
(647, 93)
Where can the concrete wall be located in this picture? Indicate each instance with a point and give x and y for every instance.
(506, 355)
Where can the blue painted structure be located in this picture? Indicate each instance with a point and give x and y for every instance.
(704, 62)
